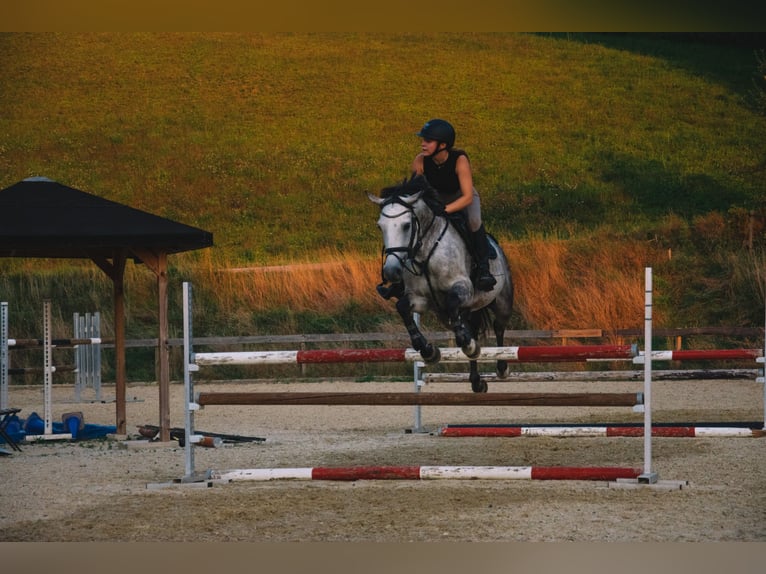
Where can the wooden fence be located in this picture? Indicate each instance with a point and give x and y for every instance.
(620, 336)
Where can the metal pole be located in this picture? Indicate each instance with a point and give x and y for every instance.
(4, 355)
(188, 387)
(79, 357)
(417, 371)
(648, 476)
(96, 364)
(47, 367)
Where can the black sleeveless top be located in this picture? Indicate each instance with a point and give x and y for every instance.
(443, 177)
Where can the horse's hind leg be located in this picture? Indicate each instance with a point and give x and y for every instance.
(429, 353)
(478, 385)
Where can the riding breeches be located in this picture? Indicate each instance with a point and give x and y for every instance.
(473, 212)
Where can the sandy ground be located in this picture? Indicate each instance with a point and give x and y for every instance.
(103, 490)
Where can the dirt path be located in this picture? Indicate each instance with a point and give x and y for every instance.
(98, 490)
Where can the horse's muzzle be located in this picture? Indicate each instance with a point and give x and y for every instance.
(392, 269)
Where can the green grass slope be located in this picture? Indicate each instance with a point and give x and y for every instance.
(270, 140)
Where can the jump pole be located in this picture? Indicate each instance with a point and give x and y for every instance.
(430, 399)
(426, 473)
(683, 430)
(533, 354)
(594, 376)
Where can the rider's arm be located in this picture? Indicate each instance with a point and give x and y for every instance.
(463, 169)
(417, 164)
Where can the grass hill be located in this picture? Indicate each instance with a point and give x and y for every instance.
(594, 154)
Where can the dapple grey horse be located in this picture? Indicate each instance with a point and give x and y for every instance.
(428, 264)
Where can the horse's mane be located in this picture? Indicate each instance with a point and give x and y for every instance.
(409, 187)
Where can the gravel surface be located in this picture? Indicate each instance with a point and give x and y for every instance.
(109, 489)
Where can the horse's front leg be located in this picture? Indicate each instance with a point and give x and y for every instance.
(429, 353)
(464, 336)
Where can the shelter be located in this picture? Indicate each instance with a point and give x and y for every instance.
(43, 218)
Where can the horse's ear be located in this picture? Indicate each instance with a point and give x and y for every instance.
(375, 199)
(419, 180)
(411, 199)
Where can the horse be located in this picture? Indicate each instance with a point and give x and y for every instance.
(427, 262)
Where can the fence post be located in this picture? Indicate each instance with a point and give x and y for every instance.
(48, 366)
(4, 355)
(417, 369)
(648, 476)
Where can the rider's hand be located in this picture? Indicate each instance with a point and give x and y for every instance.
(439, 208)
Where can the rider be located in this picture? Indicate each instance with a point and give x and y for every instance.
(448, 170)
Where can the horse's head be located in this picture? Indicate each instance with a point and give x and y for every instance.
(399, 224)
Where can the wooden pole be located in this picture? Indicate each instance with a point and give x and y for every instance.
(157, 262)
(444, 399)
(116, 272)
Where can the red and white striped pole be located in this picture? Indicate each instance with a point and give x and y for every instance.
(427, 473)
(579, 431)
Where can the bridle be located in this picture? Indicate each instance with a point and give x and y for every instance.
(417, 232)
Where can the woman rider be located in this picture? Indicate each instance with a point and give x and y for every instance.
(448, 171)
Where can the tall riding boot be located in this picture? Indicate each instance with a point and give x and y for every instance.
(484, 279)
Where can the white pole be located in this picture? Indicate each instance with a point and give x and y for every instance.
(417, 370)
(96, 364)
(78, 332)
(188, 388)
(648, 476)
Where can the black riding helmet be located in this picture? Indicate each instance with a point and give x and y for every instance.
(438, 130)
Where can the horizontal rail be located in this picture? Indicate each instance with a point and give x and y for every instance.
(706, 355)
(443, 399)
(449, 354)
(56, 342)
(37, 370)
(612, 375)
(427, 473)
(436, 337)
(688, 431)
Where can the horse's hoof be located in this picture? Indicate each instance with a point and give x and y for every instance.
(502, 370)
(431, 355)
(479, 386)
(472, 350)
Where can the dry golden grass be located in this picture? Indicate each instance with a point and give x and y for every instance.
(559, 284)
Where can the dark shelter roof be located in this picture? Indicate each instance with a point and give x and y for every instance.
(43, 218)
